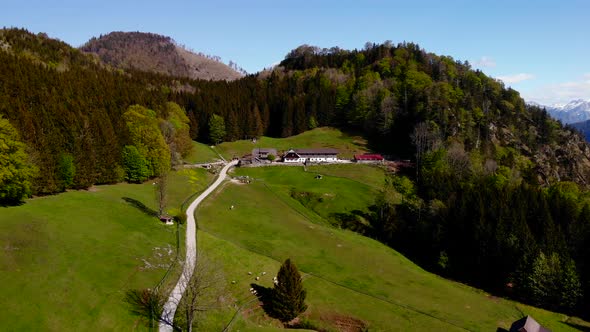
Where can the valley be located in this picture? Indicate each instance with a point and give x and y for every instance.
(455, 205)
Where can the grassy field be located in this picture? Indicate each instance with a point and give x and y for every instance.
(350, 279)
(367, 174)
(201, 153)
(66, 260)
(331, 194)
(324, 137)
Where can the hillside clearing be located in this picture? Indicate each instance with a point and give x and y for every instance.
(201, 153)
(324, 137)
(346, 274)
(83, 250)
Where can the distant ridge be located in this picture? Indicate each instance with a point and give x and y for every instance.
(575, 111)
(156, 53)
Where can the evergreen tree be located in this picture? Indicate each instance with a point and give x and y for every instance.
(66, 170)
(553, 282)
(288, 299)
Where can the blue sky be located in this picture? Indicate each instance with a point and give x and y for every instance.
(539, 47)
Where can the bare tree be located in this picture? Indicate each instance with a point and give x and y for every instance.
(458, 160)
(425, 139)
(161, 193)
(203, 289)
(147, 304)
(419, 139)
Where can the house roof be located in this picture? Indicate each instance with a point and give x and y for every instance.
(368, 156)
(527, 324)
(291, 154)
(316, 151)
(264, 150)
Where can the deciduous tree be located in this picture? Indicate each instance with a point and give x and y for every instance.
(147, 304)
(203, 290)
(216, 128)
(15, 171)
(145, 134)
(134, 164)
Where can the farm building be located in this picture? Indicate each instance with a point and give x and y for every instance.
(263, 153)
(527, 324)
(310, 155)
(367, 157)
(246, 160)
(258, 156)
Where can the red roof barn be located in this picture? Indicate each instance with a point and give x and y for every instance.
(368, 157)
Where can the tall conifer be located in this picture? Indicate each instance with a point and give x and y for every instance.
(288, 299)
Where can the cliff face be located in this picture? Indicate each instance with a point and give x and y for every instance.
(566, 162)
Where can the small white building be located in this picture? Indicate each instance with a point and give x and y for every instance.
(292, 157)
(311, 155)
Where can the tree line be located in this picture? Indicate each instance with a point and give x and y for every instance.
(69, 108)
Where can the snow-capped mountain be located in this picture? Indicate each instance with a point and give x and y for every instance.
(575, 111)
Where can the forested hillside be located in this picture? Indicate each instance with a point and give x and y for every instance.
(68, 110)
(160, 54)
(65, 102)
(489, 202)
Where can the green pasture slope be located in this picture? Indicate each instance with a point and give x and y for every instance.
(350, 279)
(324, 137)
(201, 153)
(66, 260)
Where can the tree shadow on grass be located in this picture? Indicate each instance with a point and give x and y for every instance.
(579, 327)
(355, 220)
(11, 202)
(140, 206)
(264, 295)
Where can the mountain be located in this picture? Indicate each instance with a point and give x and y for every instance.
(584, 128)
(492, 180)
(392, 93)
(155, 53)
(575, 111)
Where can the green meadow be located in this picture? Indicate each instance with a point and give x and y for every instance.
(201, 153)
(352, 281)
(66, 260)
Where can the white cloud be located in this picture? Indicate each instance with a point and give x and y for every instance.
(511, 79)
(561, 93)
(485, 61)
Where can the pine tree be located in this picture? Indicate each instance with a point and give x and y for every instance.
(288, 299)
(66, 170)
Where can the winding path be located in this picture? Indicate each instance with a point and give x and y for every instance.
(191, 254)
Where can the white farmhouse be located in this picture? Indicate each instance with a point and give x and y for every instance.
(311, 156)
